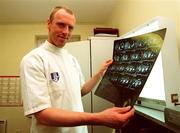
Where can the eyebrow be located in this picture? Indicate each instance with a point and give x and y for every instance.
(62, 23)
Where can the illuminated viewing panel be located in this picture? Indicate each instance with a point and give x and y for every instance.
(151, 89)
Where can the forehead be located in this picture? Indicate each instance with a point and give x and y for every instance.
(63, 15)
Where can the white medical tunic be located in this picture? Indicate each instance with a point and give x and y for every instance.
(51, 77)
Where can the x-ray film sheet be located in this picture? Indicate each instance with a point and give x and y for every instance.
(133, 60)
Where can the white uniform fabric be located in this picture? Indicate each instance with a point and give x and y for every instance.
(51, 77)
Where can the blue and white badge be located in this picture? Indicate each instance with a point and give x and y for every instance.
(55, 76)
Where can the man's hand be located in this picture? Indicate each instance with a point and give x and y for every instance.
(116, 117)
(89, 85)
(105, 66)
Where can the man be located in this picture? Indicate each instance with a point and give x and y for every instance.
(52, 84)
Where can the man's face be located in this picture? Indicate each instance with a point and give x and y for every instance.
(60, 28)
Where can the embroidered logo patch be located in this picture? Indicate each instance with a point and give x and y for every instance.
(55, 76)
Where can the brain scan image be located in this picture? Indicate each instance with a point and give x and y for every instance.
(133, 60)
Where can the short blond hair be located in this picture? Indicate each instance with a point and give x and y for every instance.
(57, 8)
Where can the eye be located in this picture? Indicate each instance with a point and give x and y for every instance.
(71, 28)
(61, 25)
(64, 25)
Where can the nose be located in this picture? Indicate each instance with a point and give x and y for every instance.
(66, 29)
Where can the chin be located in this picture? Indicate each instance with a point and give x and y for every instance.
(60, 45)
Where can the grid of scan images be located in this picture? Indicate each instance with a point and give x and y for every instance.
(133, 60)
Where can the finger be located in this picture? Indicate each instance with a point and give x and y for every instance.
(126, 109)
(126, 123)
(122, 109)
(129, 114)
(108, 62)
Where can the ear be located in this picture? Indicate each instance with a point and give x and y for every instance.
(48, 23)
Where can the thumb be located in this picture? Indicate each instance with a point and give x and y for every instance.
(124, 109)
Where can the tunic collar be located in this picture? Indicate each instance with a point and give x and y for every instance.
(50, 47)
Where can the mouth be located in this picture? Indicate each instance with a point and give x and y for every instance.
(62, 37)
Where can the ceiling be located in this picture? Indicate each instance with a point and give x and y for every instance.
(24, 11)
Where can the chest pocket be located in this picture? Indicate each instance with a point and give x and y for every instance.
(56, 93)
(56, 89)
